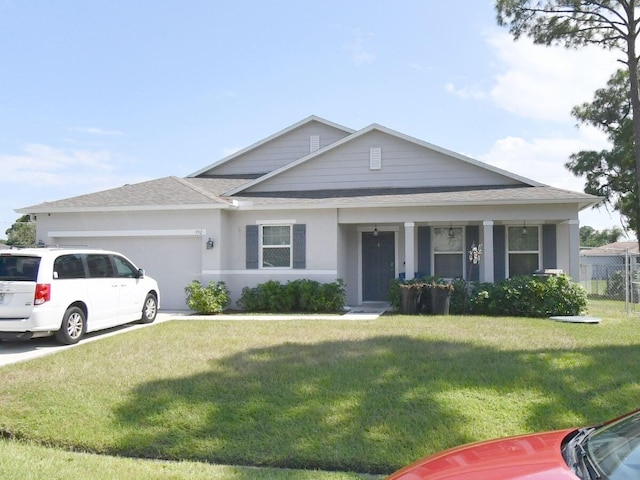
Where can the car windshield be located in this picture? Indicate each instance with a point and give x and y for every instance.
(615, 448)
(19, 268)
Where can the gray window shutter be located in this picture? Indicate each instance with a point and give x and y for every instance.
(424, 251)
(299, 246)
(549, 250)
(252, 246)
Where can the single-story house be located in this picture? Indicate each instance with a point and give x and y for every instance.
(601, 263)
(321, 201)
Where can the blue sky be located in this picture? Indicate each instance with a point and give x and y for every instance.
(97, 94)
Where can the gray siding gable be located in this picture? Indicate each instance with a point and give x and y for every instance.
(277, 150)
(406, 163)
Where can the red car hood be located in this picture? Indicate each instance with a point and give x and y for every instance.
(531, 457)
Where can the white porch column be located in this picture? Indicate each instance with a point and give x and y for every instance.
(409, 250)
(574, 250)
(486, 259)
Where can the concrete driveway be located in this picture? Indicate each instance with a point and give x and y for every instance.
(13, 352)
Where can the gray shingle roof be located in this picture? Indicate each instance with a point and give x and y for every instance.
(177, 192)
(168, 191)
(406, 197)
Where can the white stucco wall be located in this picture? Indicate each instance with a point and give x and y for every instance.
(169, 245)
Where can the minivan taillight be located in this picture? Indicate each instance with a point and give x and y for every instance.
(43, 293)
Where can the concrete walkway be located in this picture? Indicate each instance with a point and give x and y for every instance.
(13, 352)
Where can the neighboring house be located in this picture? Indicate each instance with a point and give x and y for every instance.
(601, 263)
(321, 201)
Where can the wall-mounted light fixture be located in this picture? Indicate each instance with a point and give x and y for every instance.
(451, 232)
(375, 230)
(524, 227)
(209, 244)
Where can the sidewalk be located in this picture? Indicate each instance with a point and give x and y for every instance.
(354, 314)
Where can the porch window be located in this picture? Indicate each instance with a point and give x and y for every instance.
(524, 250)
(275, 246)
(448, 252)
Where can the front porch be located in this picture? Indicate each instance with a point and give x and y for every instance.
(387, 250)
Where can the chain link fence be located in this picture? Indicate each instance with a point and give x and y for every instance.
(611, 274)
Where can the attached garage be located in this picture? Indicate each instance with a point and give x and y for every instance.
(170, 260)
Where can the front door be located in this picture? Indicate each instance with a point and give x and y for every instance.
(378, 265)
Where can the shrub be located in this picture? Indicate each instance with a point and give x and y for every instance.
(295, 296)
(207, 300)
(521, 296)
(529, 297)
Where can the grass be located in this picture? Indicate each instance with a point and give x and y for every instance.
(20, 461)
(353, 396)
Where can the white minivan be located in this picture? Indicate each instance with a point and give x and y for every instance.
(68, 292)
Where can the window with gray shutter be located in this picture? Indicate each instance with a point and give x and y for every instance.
(276, 246)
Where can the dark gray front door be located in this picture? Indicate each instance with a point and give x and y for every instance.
(378, 265)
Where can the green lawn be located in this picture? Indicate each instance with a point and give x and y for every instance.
(352, 396)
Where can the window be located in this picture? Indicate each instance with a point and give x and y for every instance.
(19, 268)
(99, 266)
(523, 250)
(448, 252)
(276, 246)
(124, 268)
(68, 266)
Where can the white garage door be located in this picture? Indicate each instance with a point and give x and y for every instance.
(173, 261)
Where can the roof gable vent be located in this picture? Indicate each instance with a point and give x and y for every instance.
(375, 158)
(314, 143)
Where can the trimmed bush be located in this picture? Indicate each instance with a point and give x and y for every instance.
(295, 296)
(211, 299)
(529, 297)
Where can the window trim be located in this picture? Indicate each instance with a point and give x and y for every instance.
(509, 252)
(434, 253)
(262, 246)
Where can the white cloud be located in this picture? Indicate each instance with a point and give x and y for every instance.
(98, 131)
(543, 159)
(538, 82)
(466, 92)
(43, 165)
(359, 53)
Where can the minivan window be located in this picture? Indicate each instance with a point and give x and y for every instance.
(19, 268)
(99, 266)
(124, 268)
(68, 266)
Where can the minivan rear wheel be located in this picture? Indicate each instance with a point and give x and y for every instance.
(73, 326)
(149, 309)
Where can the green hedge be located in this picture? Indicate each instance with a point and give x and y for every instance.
(294, 296)
(529, 297)
(525, 296)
